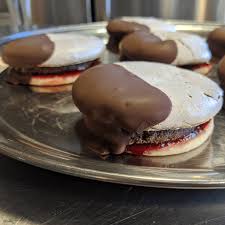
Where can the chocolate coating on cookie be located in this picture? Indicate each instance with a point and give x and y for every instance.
(216, 42)
(123, 27)
(116, 103)
(147, 47)
(117, 29)
(221, 72)
(28, 52)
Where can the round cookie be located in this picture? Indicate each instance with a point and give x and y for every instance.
(117, 29)
(147, 108)
(51, 59)
(175, 48)
(201, 97)
(73, 49)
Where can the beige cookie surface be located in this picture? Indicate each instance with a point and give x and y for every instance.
(191, 48)
(195, 98)
(71, 48)
(3, 66)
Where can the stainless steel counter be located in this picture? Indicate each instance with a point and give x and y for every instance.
(32, 196)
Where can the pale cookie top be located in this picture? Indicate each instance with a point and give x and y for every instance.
(153, 23)
(52, 50)
(195, 98)
(71, 48)
(191, 48)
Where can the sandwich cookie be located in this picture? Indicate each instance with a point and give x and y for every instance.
(216, 42)
(118, 28)
(50, 59)
(147, 108)
(177, 48)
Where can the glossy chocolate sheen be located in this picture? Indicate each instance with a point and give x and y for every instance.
(147, 47)
(117, 29)
(123, 27)
(28, 52)
(216, 42)
(116, 103)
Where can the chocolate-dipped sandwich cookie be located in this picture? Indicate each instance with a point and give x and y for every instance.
(177, 48)
(119, 28)
(216, 42)
(147, 108)
(50, 59)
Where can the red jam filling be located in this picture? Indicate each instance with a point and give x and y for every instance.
(139, 149)
(197, 66)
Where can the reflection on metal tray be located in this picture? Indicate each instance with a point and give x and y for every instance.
(38, 128)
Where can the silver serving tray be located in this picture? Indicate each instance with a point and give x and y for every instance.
(39, 129)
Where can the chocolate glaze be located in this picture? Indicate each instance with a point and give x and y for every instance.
(148, 47)
(28, 52)
(216, 42)
(221, 72)
(124, 27)
(116, 103)
(117, 29)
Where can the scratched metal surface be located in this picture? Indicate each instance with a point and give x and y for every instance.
(33, 196)
(39, 129)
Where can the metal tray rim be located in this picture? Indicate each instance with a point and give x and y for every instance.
(91, 173)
